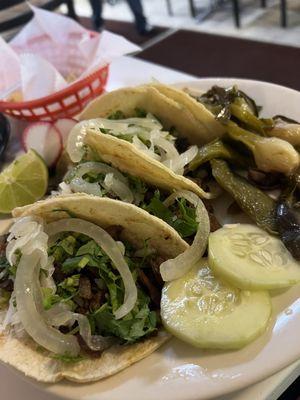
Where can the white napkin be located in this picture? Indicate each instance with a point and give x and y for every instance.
(39, 67)
(9, 67)
(35, 84)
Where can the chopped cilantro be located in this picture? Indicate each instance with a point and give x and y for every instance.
(49, 298)
(66, 358)
(75, 253)
(140, 112)
(180, 216)
(117, 115)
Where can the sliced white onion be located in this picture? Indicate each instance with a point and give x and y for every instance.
(32, 321)
(25, 235)
(59, 314)
(146, 128)
(141, 146)
(75, 144)
(79, 185)
(110, 247)
(177, 164)
(114, 181)
(64, 188)
(94, 342)
(179, 266)
(118, 187)
(168, 147)
(48, 281)
(11, 316)
(121, 247)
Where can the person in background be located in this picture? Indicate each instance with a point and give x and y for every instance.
(136, 7)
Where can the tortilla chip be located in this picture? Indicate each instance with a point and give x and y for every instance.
(171, 112)
(127, 158)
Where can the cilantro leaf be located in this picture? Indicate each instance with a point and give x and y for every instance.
(117, 115)
(179, 215)
(66, 358)
(138, 323)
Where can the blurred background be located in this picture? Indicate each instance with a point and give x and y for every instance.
(276, 21)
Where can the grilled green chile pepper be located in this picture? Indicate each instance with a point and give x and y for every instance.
(215, 149)
(255, 203)
(270, 154)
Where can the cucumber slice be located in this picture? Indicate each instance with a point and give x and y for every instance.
(250, 258)
(203, 311)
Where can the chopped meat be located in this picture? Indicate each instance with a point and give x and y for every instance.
(153, 291)
(265, 180)
(234, 209)
(155, 263)
(85, 289)
(214, 223)
(7, 284)
(182, 144)
(97, 300)
(3, 244)
(114, 231)
(58, 275)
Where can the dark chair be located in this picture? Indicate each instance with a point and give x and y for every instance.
(236, 10)
(10, 20)
(283, 13)
(191, 6)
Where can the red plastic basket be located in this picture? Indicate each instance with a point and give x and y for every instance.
(66, 102)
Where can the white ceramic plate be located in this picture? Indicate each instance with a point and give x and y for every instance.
(180, 372)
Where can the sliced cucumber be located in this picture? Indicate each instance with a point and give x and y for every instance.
(250, 258)
(203, 311)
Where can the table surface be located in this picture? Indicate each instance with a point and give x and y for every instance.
(13, 387)
(206, 55)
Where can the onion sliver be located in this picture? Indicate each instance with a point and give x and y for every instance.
(167, 146)
(79, 185)
(110, 247)
(94, 342)
(75, 144)
(118, 187)
(116, 182)
(31, 319)
(60, 314)
(177, 164)
(179, 266)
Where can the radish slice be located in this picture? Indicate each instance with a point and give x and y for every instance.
(44, 138)
(64, 126)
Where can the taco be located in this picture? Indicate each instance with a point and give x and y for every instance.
(174, 108)
(80, 287)
(138, 144)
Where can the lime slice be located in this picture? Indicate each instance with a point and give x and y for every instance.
(23, 182)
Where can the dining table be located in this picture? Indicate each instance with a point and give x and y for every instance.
(182, 56)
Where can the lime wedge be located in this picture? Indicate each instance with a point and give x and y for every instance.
(23, 182)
